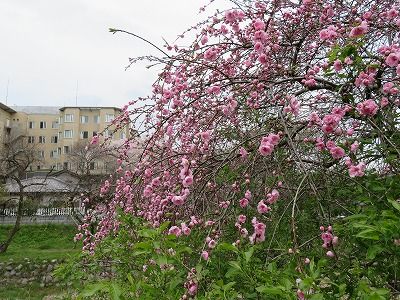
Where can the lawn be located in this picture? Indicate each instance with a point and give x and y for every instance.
(38, 243)
(41, 242)
(34, 292)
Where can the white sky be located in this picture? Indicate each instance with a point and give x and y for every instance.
(48, 46)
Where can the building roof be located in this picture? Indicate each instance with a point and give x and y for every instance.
(6, 108)
(41, 185)
(91, 107)
(42, 110)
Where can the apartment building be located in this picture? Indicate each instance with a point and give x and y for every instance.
(57, 130)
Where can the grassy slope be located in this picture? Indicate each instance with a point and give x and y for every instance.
(40, 242)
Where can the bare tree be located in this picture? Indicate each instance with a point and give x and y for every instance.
(88, 159)
(91, 164)
(15, 159)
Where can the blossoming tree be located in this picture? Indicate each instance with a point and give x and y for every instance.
(271, 103)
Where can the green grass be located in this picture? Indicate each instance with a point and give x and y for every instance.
(33, 292)
(40, 242)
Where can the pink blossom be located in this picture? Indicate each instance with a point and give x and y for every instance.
(265, 149)
(262, 208)
(211, 54)
(242, 218)
(247, 194)
(357, 170)
(259, 25)
(185, 229)
(330, 254)
(337, 152)
(192, 290)
(367, 108)
(244, 202)
(273, 196)
(259, 232)
(354, 147)
(329, 34)
(348, 61)
(393, 59)
(211, 244)
(359, 30)
(387, 87)
(175, 230)
(258, 47)
(384, 102)
(243, 152)
(337, 65)
(178, 200)
(204, 40)
(205, 255)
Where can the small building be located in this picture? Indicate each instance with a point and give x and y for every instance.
(48, 191)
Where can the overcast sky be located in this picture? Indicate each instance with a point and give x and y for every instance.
(48, 46)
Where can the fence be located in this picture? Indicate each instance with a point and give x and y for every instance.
(40, 215)
(47, 211)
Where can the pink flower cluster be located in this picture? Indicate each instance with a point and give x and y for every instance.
(329, 240)
(367, 108)
(366, 78)
(259, 231)
(268, 143)
(336, 151)
(329, 34)
(186, 174)
(359, 30)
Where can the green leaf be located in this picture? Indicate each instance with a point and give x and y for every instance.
(163, 226)
(373, 251)
(248, 254)
(395, 204)
(317, 297)
(94, 288)
(235, 265)
(227, 286)
(226, 247)
(148, 233)
(130, 278)
(162, 260)
(115, 291)
(368, 234)
(278, 290)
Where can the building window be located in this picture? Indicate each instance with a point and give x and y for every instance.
(94, 133)
(84, 134)
(54, 124)
(54, 139)
(68, 118)
(109, 118)
(31, 124)
(66, 165)
(123, 135)
(42, 125)
(96, 119)
(59, 151)
(68, 134)
(66, 149)
(84, 119)
(41, 154)
(92, 166)
(42, 139)
(108, 134)
(31, 139)
(54, 153)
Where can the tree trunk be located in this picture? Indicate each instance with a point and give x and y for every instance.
(4, 245)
